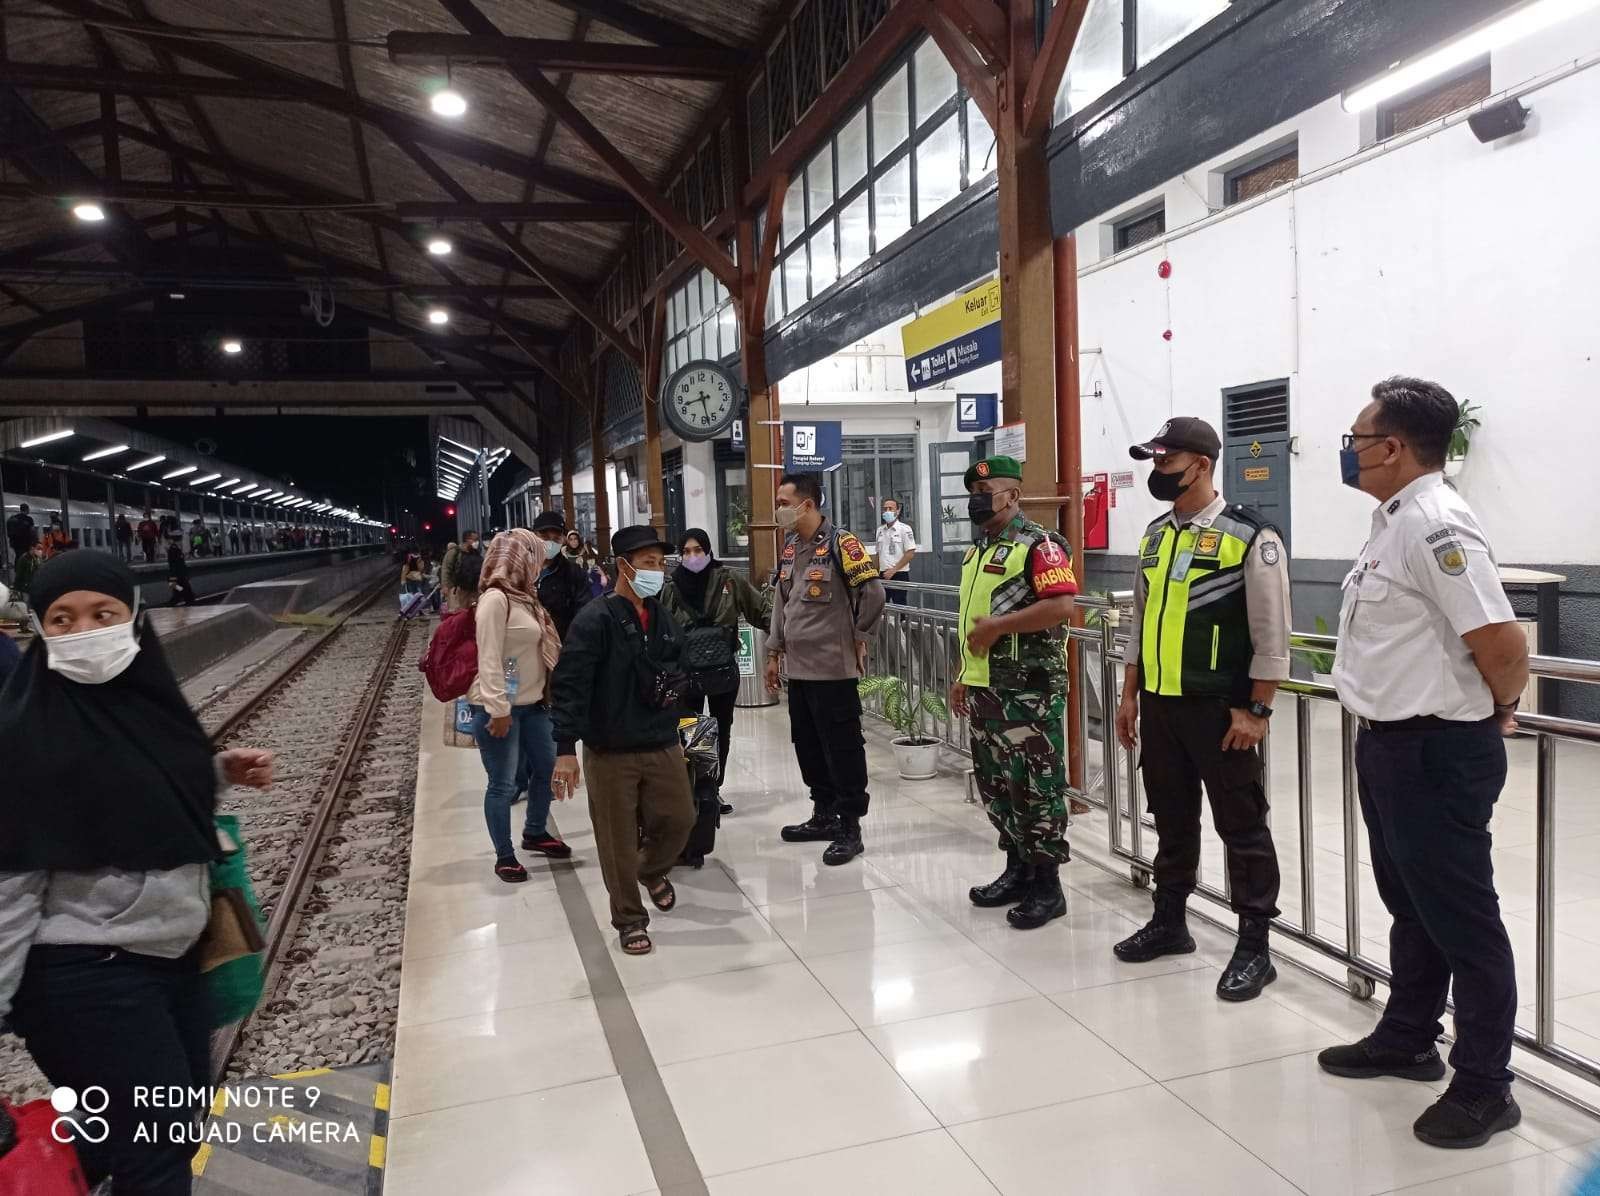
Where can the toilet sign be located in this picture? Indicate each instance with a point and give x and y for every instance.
(954, 338)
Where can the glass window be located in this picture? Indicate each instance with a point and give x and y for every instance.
(1096, 63)
(890, 116)
(794, 278)
(824, 270)
(938, 167)
(980, 144)
(936, 80)
(892, 190)
(819, 184)
(693, 293)
(794, 212)
(680, 302)
(708, 293)
(854, 234)
(775, 299)
(852, 143)
(695, 351)
(1163, 23)
(729, 325)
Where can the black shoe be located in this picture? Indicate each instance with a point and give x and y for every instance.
(1248, 972)
(846, 843)
(1166, 933)
(1008, 888)
(1044, 901)
(1366, 1060)
(1461, 1119)
(726, 809)
(819, 828)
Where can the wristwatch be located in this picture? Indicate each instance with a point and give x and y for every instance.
(1260, 709)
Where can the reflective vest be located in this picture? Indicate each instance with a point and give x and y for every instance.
(1196, 633)
(995, 581)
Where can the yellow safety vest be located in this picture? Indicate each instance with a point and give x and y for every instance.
(995, 581)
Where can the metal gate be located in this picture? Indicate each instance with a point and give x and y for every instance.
(1255, 450)
(950, 532)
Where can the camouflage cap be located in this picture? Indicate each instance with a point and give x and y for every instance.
(994, 467)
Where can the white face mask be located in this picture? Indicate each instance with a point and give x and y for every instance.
(92, 657)
(552, 549)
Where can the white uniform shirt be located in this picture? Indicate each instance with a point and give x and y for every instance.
(1425, 578)
(894, 541)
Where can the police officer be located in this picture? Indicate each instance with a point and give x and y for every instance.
(1432, 663)
(1211, 643)
(827, 604)
(1017, 588)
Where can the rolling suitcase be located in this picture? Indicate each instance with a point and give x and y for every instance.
(698, 735)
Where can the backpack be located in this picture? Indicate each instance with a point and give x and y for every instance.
(450, 662)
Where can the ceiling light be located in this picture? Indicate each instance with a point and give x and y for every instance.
(448, 102)
(147, 461)
(176, 295)
(210, 477)
(439, 246)
(259, 492)
(465, 447)
(246, 486)
(179, 472)
(47, 438)
(1402, 77)
(446, 453)
(106, 452)
(232, 346)
(89, 213)
(438, 315)
(225, 485)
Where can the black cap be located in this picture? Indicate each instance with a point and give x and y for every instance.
(632, 539)
(1180, 434)
(549, 521)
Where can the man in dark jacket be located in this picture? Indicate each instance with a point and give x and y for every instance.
(639, 796)
(20, 531)
(563, 582)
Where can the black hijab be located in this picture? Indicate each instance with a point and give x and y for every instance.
(691, 585)
(115, 775)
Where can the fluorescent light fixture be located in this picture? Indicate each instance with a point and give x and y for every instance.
(448, 102)
(232, 346)
(176, 295)
(464, 447)
(156, 460)
(246, 486)
(439, 246)
(225, 485)
(210, 477)
(47, 438)
(258, 493)
(271, 494)
(438, 316)
(106, 452)
(89, 213)
(179, 472)
(1530, 18)
(458, 457)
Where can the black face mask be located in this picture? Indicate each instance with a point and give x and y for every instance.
(1168, 487)
(980, 507)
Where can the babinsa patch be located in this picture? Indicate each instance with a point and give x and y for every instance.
(1451, 556)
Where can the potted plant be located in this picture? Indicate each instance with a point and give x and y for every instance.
(903, 707)
(1467, 422)
(1320, 660)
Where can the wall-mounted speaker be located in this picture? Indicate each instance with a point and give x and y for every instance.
(1501, 120)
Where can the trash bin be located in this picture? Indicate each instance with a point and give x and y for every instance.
(752, 663)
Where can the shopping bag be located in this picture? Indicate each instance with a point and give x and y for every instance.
(232, 944)
(458, 727)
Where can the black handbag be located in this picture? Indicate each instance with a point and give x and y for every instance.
(708, 657)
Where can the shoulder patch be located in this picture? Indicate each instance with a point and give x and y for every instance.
(1050, 553)
(1443, 533)
(858, 567)
(1452, 558)
(1269, 553)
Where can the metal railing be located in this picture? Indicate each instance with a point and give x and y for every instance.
(920, 646)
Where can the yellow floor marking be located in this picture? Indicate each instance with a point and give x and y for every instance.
(197, 1165)
(302, 1075)
(380, 1098)
(375, 1152)
(220, 1103)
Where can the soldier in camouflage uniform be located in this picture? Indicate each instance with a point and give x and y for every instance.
(1017, 590)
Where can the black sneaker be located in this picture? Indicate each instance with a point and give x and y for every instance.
(1153, 940)
(1459, 1120)
(819, 828)
(1367, 1060)
(846, 843)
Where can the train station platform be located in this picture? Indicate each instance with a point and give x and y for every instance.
(865, 1029)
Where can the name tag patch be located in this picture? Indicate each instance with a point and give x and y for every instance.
(1452, 558)
(1180, 566)
(1443, 533)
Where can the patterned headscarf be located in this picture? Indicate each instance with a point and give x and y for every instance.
(508, 566)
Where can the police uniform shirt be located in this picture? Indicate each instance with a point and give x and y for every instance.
(1266, 595)
(894, 541)
(815, 621)
(1425, 578)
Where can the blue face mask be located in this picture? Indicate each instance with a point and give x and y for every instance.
(888, 516)
(646, 583)
(1350, 467)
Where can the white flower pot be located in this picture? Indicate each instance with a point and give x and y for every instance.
(917, 761)
(1453, 466)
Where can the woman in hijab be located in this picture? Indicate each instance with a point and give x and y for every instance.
(702, 592)
(517, 649)
(105, 842)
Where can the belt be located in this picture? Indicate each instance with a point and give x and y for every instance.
(1422, 722)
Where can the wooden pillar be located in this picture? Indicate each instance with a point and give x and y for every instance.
(66, 506)
(597, 449)
(761, 435)
(1069, 465)
(1027, 328)
(650, 383)
(569, 467)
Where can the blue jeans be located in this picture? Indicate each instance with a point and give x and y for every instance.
(530, 737)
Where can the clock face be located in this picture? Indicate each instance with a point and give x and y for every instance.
(701, 401)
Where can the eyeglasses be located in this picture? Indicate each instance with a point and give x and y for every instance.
(1348, 440)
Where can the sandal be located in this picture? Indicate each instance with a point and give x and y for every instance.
(510, 871)
(664, 897)
(636, 942)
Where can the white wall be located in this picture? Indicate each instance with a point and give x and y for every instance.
(1432, 255)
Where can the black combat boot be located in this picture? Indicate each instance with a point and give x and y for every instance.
(1166, 933)
(1008, 888)
(821, 827)
(846, 843)
(1250, 970)
(1044, 901)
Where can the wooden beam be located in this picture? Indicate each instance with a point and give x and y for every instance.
(633, 181)
(981, 23)
(650, 384)
(548, 212)
(1066, 19)
(110, 147)
(537, 53)
(767, 253)
(473, 291)
(597, 455)
(20, 330)
(975, 74)
(661, 31)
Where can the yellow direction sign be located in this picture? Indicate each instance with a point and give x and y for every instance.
(953, 338)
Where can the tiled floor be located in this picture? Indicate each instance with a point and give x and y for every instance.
(865, 1029)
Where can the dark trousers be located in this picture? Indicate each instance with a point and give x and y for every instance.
(898, 597)
(97, 1017)
(721, 710)
(1427, 796)
(825, 725)
(1181, 746)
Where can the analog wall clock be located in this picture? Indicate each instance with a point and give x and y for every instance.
(700, 401)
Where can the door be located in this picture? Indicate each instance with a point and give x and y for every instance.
(1255, 451)
(950, 531)
(672, 493)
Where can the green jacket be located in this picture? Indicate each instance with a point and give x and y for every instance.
(728, 596)
(447, 568)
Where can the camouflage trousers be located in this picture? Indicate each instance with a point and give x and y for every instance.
(1019, 759)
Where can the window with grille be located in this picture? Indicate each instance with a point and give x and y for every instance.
(1260, 177)
(1256, 411)
(1137, 229)
(1434, 102)
(807, 58)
